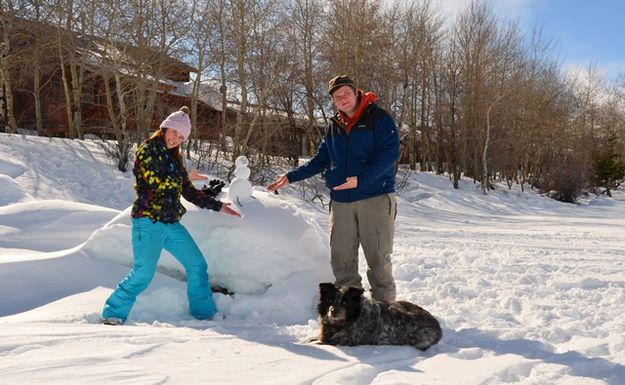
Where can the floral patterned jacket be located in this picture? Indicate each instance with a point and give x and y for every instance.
(160, 183)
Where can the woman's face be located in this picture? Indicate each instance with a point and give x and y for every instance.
(173, 138)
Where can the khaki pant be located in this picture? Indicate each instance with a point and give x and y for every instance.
(371, 224)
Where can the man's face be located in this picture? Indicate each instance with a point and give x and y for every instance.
(345, 99)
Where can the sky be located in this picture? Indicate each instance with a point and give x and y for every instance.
(584, 31)
(528, 290)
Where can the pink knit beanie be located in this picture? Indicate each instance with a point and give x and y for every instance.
(179, 121)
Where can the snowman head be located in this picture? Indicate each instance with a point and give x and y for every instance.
(241, 161)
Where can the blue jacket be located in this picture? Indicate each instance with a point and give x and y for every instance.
(370, 152)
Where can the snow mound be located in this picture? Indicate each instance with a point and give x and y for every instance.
(12, 167)
(50, 225)
(273, 243)
(608, 202)
(12, 192)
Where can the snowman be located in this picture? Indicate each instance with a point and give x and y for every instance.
(240, 190)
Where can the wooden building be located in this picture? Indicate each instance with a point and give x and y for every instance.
(41, 54)
(36, 44)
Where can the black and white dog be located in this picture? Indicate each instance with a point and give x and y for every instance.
(349, 318)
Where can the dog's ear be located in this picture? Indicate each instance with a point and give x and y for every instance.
(354, 293)
(327, 290)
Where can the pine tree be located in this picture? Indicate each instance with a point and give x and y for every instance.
(610, 168)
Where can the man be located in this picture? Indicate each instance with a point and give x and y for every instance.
(357, 155)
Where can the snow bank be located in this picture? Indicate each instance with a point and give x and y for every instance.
(12, 192)
(75, 171)
(272, 257)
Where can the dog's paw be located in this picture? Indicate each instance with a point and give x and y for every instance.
(311, 340)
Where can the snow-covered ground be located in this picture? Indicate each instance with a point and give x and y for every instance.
(528, 290)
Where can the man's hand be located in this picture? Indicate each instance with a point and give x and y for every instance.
(280, 182)
(226, 209)
(350, 182)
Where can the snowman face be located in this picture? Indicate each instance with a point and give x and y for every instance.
(241, 161)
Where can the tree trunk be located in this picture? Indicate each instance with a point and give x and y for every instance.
(37, 92)
(5, 73)
(241, 50)
(8, 94)
(77, 74)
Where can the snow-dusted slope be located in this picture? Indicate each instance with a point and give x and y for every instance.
(528, 290)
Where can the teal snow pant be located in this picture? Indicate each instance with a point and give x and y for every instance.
(148, 240)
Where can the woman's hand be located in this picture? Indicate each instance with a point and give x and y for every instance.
(226, 209)
(195, 175)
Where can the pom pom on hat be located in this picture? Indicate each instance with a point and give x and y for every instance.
(179, 121)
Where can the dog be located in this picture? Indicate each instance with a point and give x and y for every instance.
(349, 318)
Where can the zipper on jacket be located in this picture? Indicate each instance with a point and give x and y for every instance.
(340, 128)
(349, 194)
(364, 114)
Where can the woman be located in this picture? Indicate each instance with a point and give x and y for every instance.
(161, 179)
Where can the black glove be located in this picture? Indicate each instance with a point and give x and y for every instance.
(214, 187)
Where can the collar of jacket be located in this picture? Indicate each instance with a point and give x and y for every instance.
(160, 142)
(160, 147)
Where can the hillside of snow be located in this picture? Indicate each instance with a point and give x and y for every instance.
(528, 290)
